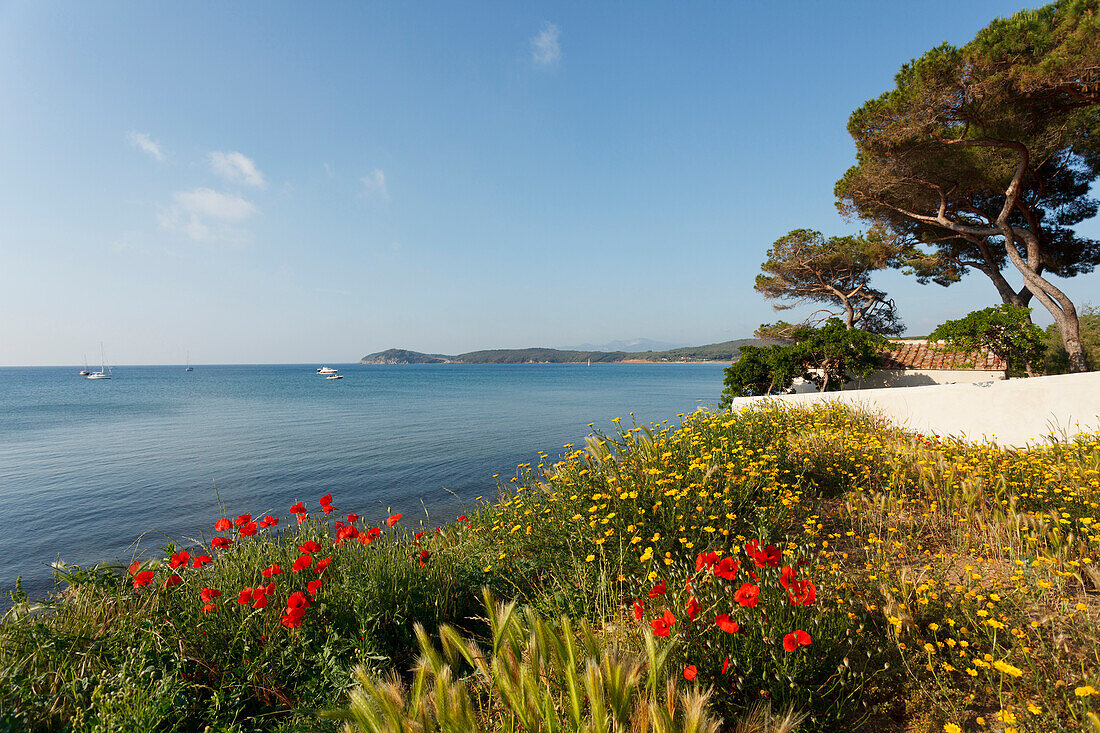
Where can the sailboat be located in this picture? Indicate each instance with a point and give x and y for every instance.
(84, 372)
(104, 370)
(189, 368)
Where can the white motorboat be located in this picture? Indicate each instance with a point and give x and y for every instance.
(326, 370)
(104, 370)
(335, 376)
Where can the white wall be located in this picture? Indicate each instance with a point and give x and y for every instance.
(904, 378)
(922, 378)
(1012, 412)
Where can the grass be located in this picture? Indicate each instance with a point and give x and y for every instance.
(771, 570)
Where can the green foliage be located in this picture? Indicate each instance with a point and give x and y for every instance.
(828, 356)
(1056, 360)
(834, 354)
(759, 371)
(537, 677)
(1004, 330)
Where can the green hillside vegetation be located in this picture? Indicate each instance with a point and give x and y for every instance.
(404, 356)
(537, 355)
(724, 351)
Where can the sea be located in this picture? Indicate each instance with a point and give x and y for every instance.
(103, 471)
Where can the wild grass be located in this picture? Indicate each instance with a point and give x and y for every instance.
(770, 570)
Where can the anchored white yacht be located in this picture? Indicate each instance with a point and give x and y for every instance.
(104, 370)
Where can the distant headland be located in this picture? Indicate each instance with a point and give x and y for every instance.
(724, 352)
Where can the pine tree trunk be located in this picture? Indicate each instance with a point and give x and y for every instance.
(1059, 305)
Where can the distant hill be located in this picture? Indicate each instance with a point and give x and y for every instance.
(727, 351)
(404, 356)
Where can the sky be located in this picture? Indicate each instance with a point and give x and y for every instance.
(272, 182)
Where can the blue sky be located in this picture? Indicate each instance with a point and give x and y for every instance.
(277, 182)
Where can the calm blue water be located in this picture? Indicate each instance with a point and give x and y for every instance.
(88, 466)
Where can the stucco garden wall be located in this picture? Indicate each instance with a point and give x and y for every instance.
(1014, 412)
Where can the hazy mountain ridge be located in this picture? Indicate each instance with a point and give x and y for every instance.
(631, 346)
(726, 351)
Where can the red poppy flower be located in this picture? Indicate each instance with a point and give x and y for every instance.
(796, 639)
(297, 599)
(690, 673)
(222, 524)
(802, 593)
(209, 594)
(313, 586)
(259, 602)
(269, 521)
(272, 571)
(692, 609)
(220, 543)
(705, 560)
(302, 563)
(143, 578)
(352, 518)
(393, 519)
(172, 580)
(210, 607)
(417, 537)
(328, 509)
(661, 626)
(724, 623)
(245, 596)
(298, 508)
(309, 547)
(303, 518)
(767, 558)
(727, 568)
(134, 567)
(201, 560)
(424, 555)
(461, 519)
(786, 575)
(747, 595)
(658, 590)
(322, 564)
(370, 535)
(325, 500)
(725, 665)
(346, 533)
(242, 519)
(248, 529)
(638, 610)
(292, 619)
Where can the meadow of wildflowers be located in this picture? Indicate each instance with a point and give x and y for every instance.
(773, 569)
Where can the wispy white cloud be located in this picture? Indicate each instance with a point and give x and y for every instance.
(142, 141)
(206, 215)
(374, 184)
(545, 47)
(236, 167)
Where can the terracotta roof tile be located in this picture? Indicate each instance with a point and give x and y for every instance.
(922, 355)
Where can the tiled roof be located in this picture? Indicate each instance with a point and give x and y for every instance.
(923, 355)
